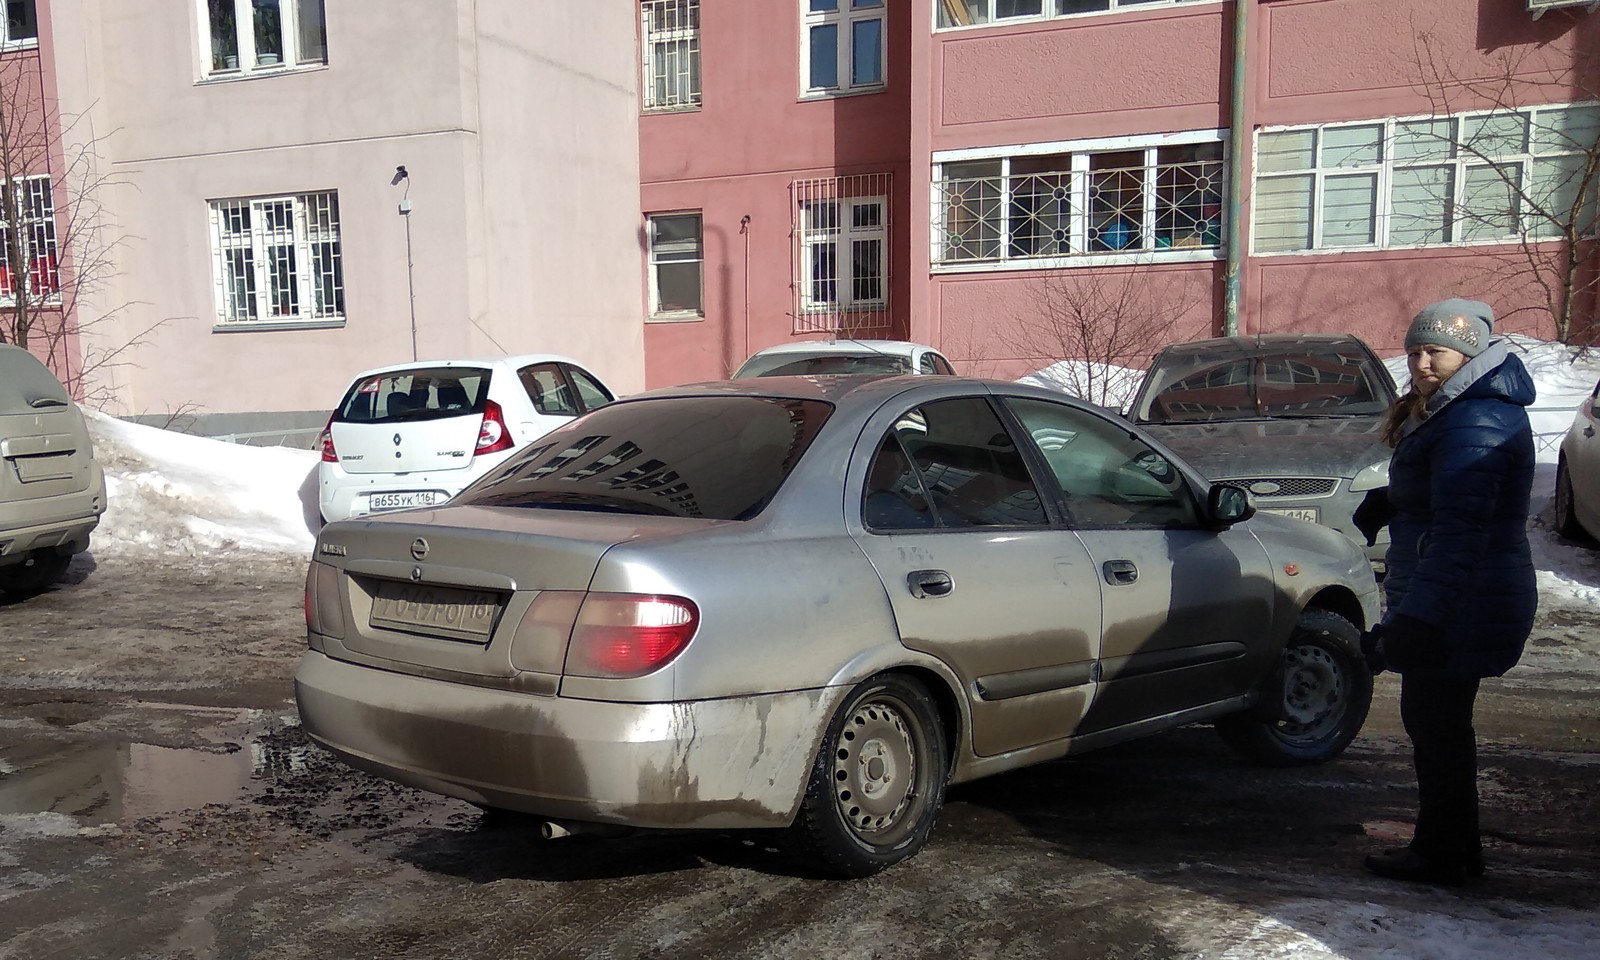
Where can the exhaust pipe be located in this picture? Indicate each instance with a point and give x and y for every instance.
(553, 829)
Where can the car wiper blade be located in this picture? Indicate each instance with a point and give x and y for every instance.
(40, 402)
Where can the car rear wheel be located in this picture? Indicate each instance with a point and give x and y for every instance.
(1566, 514)
(33, 575)
(1315, 704)
(878, 781)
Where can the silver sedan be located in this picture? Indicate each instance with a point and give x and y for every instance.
(814, 603)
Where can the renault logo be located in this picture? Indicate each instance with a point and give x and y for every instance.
(419, 549)
(1265, 488)
(397, 439)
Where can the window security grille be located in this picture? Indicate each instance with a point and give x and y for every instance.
(671, 48)
(840, 228)
(29, 258)
(278, 259)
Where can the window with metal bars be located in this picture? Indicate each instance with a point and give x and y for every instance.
(670, 31)
(29, 258)
(1161, 198)
(841, 231)
(256, 36)
(278, 259)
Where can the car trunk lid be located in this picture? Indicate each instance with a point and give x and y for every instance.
(43, 454)
(407, 447)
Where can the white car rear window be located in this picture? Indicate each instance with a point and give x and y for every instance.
(422, 394)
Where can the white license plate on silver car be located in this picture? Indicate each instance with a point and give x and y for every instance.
(400, 501)
(444, 611)
(1299, 513)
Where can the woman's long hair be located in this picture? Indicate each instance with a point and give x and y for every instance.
(1410, 404)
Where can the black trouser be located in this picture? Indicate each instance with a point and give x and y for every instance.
(1437, 712)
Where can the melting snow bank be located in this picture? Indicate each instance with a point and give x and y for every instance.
(194, 496)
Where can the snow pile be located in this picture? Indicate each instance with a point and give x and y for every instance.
(1105, 384)
(194, 496)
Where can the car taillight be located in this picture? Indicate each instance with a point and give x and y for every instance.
(329, 455)
(629, 635)
(492, 435)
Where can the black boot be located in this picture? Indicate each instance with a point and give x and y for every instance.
(1405, 863)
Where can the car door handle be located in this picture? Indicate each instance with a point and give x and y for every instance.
(925, 584)
(1120, 572)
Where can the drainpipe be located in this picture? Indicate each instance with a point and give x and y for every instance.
(1238, 150)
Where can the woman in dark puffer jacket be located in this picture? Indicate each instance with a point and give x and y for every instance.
(1460, 585)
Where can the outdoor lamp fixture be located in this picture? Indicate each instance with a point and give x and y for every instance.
(405, 212)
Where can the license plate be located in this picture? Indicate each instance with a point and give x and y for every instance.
(1299, 513)
(399, 501)
(442, 611)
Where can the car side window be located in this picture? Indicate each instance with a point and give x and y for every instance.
(1108, 477)
(548, 390)
(971, 470)
(925, 364)
(893, 498)
(942, 366)
(590, 393)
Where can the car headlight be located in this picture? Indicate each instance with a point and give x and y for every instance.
(1371, 477)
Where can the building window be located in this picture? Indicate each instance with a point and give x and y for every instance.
(255, 36)
(1160, 199)
(843, 46)
(671, 54)
(278, 259)
(841, 230)
(1473, 177)
(21, 25)
(968, 13)
(29, 262)
(677, 259)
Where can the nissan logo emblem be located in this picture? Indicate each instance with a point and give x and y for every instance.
(419, 549)
(1265, 488)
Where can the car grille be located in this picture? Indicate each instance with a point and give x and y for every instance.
(1288, 487)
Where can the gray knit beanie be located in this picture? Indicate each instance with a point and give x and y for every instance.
(1463, 325)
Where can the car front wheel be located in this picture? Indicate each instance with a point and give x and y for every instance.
(1566, 514)
(1315, 704)
(878, 781)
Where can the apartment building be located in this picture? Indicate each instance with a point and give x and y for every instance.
(299, 190)
(946, 170)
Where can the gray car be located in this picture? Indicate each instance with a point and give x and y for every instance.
(812, 604)
(52, 492)
(1295, 419)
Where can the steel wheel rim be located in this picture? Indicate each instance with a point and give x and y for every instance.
(875, 771)
(1313, 693)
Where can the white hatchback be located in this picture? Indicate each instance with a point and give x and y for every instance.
(415, 434)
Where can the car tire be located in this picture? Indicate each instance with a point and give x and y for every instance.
(35, 574)
(1315, 704)
(878, 780)
(1567, 524)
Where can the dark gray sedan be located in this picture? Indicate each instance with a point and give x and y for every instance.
(814, 603)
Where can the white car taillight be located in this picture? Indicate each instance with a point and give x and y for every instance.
(325, 441)
(492, 434)
(621, 635)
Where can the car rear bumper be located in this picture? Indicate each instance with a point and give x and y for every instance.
(342, 494)
(60, 523)
(717, 764)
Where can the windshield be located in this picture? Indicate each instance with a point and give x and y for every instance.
(420, 394)
(823, 364)
(718, 458)
(1303, 382)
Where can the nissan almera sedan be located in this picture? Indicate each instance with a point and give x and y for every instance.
(812, 605)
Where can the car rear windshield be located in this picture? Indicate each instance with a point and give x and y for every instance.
(1303, 382)
(26, 385)
(426, 393)
(788, 365)
(717, 458)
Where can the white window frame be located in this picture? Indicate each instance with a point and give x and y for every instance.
(19, 43)
(842, 236)
(652, 63)
(657, 314)
(1459, 161)
(1081, 151)
(254, 310)
(24, 234)
(1049, 8)
(245, 40)
(844, 18)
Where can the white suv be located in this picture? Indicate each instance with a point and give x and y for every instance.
(52, 492)
(415, 434)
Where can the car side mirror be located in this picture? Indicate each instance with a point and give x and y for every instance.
(1227, 505)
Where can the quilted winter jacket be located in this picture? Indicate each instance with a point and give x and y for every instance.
(1459, 483)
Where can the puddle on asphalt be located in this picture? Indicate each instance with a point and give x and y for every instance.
(106, 782)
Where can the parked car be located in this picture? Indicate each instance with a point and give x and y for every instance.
(1296, 419)
(415, 434)
(813, 604)
(52, 492)
(1578, 474)
(819, 357)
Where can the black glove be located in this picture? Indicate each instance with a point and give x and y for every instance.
(1372, 649)
(1374, 514)
(1411, 644)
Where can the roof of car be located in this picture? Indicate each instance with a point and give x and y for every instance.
(898, 348)
(515, 361)
(1263, 343)
(843, 390)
